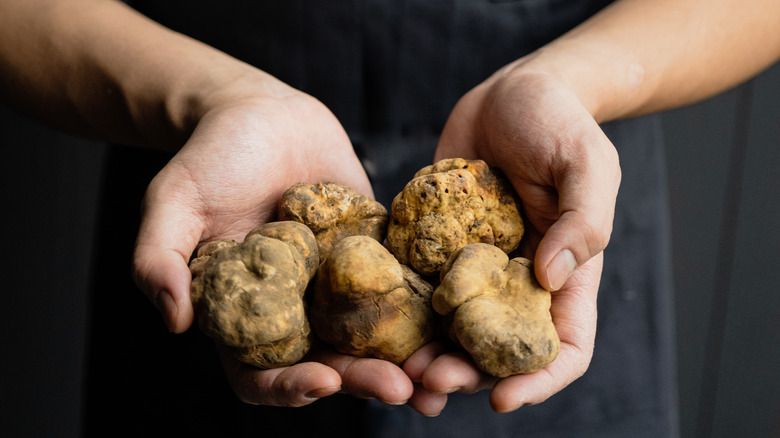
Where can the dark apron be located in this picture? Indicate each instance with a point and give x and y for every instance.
(391, 71)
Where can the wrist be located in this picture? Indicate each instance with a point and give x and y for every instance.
(167, 81)
(215, 88)
(208, 80)
(609, 86)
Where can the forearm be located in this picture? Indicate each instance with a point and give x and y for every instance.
(98, 68)
(640, 56)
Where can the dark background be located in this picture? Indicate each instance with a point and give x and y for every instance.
(724, 183)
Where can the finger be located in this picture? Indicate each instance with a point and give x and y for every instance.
(455, 372)
(368, 378)
(163, 275)
(587, 191)
(570, 242)
(297, 385)
(574, 314)
(420, 360)
(427, 402)
(516, 391)
(166, 239)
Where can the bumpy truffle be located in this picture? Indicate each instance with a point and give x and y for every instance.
(333, 212)
(367, 304)
(451, 204)
(249, 295)
(497, 311)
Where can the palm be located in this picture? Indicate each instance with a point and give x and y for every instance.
(233, 170)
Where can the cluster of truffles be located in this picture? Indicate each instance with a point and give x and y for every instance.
(338, 267)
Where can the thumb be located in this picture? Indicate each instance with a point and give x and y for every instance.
(569, 243)
(160, 263)
(584, 224)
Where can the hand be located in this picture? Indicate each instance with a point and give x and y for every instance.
(227, 179)
(438, 369)
(561, 164)
(566, 173)
(321, 373)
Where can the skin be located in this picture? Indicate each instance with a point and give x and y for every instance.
(123, 78)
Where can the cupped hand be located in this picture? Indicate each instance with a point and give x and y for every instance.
(533, 127)
(439, 369)
(226, 180)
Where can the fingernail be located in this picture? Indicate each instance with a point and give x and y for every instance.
(396, 403)
(451, 390)
(322, 392)
(167, 308)
(511, 409)
(560, 268)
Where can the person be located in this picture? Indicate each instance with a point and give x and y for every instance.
(546, 91)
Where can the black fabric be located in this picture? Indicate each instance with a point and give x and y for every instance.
(391, 72)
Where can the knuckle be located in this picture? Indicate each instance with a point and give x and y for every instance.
(597, 234)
